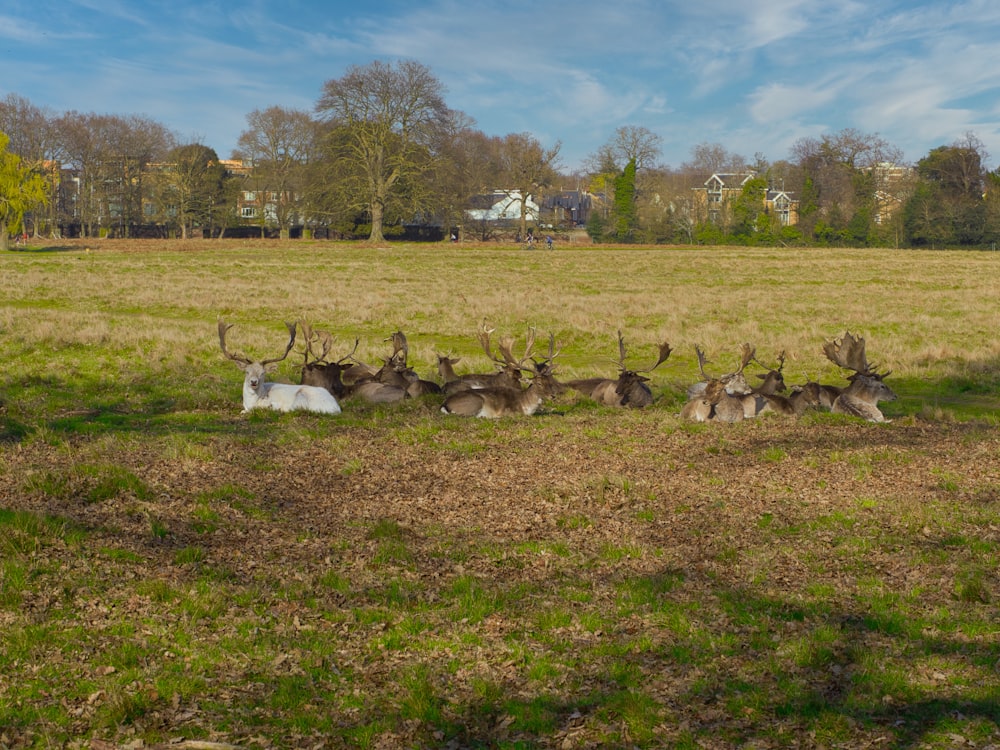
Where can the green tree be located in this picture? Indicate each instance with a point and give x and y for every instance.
(625, 212)
(20, 190)
(748, 210)
(387, 119)
(948, 208)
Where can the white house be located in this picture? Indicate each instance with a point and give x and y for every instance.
(501, 206)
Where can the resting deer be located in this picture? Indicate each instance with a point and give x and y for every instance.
(397, 371)
(629, 389)
(319, 371)
(259, 394)
(500, 401)
(725, 393)
(508, 376)
(759, 399)
(861, 397)
(802, 398)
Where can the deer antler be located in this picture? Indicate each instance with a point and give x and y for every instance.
(621, 351)
(701, 363)
(223, 329)
(747, 355)
(312, 337)
(506, 347)
(351, 354)
(291, 343)
(848, 352)
(483, 334)
(665, 351)
(781, 362)
(546, 364)
(399, 345)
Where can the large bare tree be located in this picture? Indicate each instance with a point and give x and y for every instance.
(110, 154)
(526, 167)
(388, 118)
(630, 142)
(279, 143)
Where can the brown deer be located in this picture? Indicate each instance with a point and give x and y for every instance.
(628, 389)
(501, 401)
(508, 376)
(726, 392)
(319, 371)
(397, 371)
(757, 401)
(802, 398)
(866, 389)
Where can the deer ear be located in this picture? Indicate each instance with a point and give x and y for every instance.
(762, 377)
(270, 367)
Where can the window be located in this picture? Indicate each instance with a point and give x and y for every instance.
(249, 212)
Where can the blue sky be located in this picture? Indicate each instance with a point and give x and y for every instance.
(752, 75)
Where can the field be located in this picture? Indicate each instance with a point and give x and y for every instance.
(174, 573)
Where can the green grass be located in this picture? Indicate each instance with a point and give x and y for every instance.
(172, 569)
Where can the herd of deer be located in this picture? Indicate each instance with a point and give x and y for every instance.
(723, 398)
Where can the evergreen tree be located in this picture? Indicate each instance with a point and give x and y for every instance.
(626, 215)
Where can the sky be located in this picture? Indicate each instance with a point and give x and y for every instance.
(754, 76)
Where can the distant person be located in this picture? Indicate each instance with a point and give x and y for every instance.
(548, 241)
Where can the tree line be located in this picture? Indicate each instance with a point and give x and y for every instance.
(381, 149)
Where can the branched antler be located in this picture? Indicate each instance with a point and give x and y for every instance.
(224, 328)
(849, 352)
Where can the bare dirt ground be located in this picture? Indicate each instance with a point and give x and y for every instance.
(755, 512)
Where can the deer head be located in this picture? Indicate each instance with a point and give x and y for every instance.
(255, 369)
(631, 387)
(774, 381)
(321, 372)
(734, 383)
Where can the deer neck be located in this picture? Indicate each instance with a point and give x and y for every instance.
(864, 388)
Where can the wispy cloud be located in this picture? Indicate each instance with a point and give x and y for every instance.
(753, 75)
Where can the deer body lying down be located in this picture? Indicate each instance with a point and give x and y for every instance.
(628, 389)
(260, 394)
(861, 397)
(496, 402)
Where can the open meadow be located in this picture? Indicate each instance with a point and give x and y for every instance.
(174, 573)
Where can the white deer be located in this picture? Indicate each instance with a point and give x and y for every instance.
(260, 394)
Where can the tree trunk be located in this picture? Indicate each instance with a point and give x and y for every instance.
(4, 237)
(377, 213)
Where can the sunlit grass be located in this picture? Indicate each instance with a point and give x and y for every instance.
(394, 578)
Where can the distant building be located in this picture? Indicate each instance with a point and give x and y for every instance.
(713, 200)
(567, 207)
(501, 207)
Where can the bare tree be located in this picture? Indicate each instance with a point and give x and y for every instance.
(710, 158)
(629, 142)
(389, 118)
(279, 144)
(526, 167)
(110, 154)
